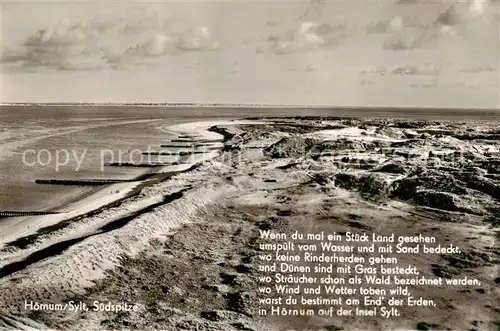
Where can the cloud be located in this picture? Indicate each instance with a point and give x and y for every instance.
(452, 22)
(156, 45)
(197, 39)
(144, 36)
(462, 12)
(394, 24)
(428, 39)
(479, 69)
(304, 37)
(415, 70)
(106, 41)
(103, 41)
(403, 70)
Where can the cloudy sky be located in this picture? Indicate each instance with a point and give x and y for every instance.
(321, 52)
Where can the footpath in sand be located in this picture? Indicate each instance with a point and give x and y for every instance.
(199, 268)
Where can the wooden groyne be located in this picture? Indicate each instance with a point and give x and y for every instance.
(478, 136)
(181, 153)
(82, 181)
(25, 213)
(183, 140)
(187, 146)
(139, 165)
(196, 140)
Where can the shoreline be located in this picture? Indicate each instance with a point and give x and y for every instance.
(23, 244)
(90, 202)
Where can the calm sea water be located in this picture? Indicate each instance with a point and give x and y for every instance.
(33, 138)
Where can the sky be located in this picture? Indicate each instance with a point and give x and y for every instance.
(316, 52)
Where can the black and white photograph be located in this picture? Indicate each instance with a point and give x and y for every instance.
(224, 165)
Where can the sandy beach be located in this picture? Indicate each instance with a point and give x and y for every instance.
(185, 249)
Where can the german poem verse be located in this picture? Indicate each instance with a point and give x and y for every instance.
(347, 274)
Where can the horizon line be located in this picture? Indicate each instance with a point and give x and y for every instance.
(240, 105)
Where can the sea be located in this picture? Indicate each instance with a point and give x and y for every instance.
(74, 142)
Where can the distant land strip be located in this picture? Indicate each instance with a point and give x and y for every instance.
(247, 105)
